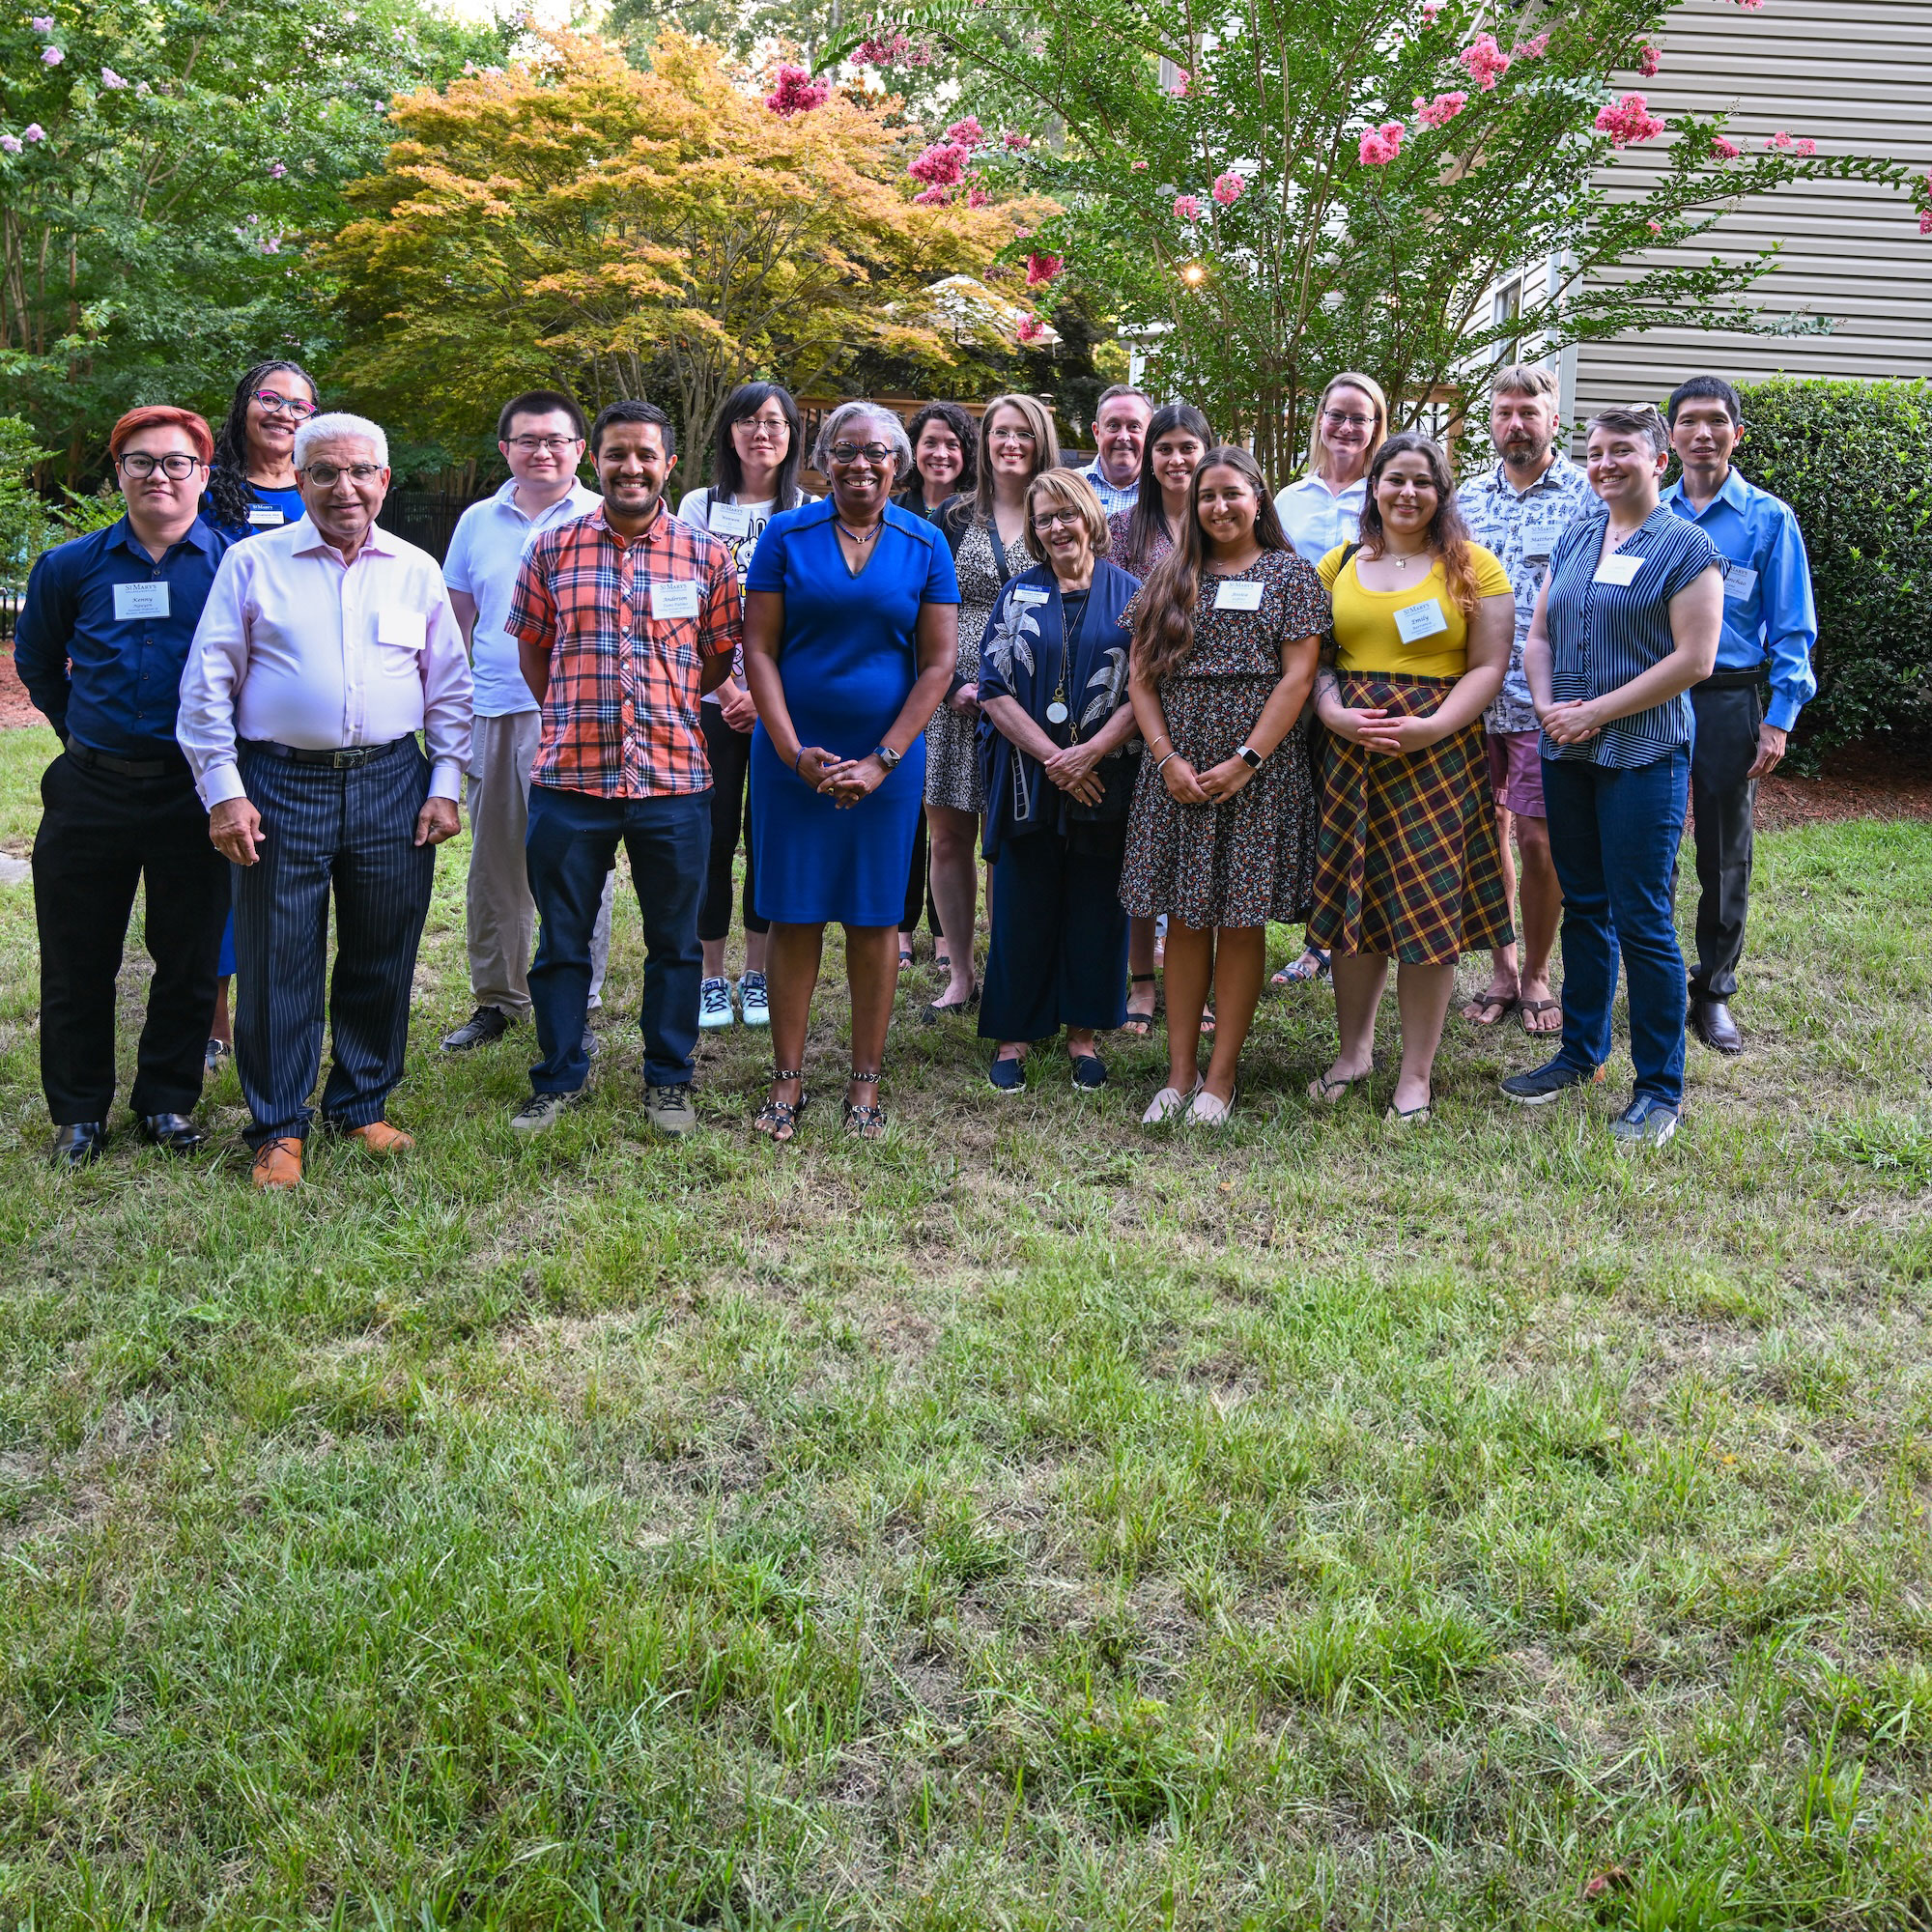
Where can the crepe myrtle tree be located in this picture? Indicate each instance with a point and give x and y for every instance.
(1269, 190)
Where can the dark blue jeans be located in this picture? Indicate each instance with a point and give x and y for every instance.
(1614, 835)
(570, 844)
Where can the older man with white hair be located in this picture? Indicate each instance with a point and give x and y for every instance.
(323, 648)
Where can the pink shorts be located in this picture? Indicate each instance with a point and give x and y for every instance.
(1516, 772)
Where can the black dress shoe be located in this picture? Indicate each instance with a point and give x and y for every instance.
(1712, 1022)
(76, 1145)
(175, 1132)
(482, 1026)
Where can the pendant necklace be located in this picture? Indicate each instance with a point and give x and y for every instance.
(855, 535)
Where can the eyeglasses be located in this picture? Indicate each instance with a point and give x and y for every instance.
(1054, 520)
(774, 425)
(177, 464)
(323, 475)
(274, 405)
(551, 445)
(1341, 421)
(1010, 436)
(872, 452)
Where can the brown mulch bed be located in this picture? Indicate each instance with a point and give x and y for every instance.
(1857, 781)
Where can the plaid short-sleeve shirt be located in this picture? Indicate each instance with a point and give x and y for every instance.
(627, 651)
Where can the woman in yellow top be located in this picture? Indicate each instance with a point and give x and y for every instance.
(1407, 866)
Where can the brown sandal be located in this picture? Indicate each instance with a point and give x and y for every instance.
(1534, 1010)
(1490, 1010)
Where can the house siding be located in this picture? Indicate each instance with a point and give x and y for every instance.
(1854, 75)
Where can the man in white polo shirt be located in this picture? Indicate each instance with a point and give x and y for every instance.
(541, 436)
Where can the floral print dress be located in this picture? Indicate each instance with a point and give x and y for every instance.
(951, 740)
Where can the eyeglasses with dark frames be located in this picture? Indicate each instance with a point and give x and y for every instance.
(178, 466)
(279, 405)
(872, 452)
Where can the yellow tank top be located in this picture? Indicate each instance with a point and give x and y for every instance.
(1367, 637)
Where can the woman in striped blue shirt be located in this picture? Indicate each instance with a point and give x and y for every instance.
(1627, 623)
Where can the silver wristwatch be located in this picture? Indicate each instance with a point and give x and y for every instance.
(887, 757)
(1249, 757)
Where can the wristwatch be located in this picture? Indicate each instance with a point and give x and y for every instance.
(886, 756)
(1249, 757)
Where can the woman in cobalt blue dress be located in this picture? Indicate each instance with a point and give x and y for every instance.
(851, 631)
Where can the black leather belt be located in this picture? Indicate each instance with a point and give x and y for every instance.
(126, 768)
(344, 760)
(1731, 680)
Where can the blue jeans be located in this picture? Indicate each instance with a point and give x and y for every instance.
(570, 844)
(1614, 835)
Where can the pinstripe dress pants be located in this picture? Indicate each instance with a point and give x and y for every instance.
(350, 833)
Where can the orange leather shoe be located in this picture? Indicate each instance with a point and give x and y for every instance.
(379, 1137)
(278, 1164)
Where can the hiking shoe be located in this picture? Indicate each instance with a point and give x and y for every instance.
(1646, 1123)
(752, 999)
(1542, 1083)
(482, 1026)
(542, 1111)
(668, 1109)
(714, 1005)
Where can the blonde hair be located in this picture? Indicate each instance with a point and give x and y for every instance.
(1038, 419)
(1348, 378)
(1066, 490)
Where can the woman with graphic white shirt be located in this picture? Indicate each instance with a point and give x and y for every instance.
(755, 460)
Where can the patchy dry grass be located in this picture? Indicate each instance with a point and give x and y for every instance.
(1027, 1522)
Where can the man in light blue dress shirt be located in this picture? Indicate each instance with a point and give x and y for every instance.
(1771, 627)
(1120, 419)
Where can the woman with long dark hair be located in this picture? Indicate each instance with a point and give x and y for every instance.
(1226, 635)
(945, 459)
(756, 450)
(252, 484)
(1408, 868)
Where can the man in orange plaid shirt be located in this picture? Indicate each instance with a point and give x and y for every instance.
(623, 619)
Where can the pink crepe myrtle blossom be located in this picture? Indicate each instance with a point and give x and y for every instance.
(884, 51)
(797, 93)
(1629, 120)
(1750, 6)
(966, 134)
(1484, 62)
(1444, 109)
(1137, 168)
(1655, 227)
(10, 143)
(941, 165)
(1534, 50)
(1042, 268)
(934, 196)
(276, 171)
(919, 55)
(976, 197)
(1649, 60)
(1187, 208)
(1925, 223)
(51, 57)
(1430, 10)
(1228, 188)
(1182, 78)
(111, 80)
(1022, 234)
(33, 132)
(1016, 141)
(1031, 330)
(1724, 150)
(1382, 145)
(42, 23)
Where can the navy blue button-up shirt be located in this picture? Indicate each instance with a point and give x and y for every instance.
(121, 694)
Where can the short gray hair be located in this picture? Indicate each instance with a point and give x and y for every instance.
(1634, 419)
(834, 427)
(338, 423)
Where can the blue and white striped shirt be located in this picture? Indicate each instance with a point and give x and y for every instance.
(1603, 634)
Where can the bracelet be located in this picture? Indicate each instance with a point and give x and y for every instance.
(799, 761)
(1162, 765)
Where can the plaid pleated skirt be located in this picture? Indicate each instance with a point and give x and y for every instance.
(1406, 864)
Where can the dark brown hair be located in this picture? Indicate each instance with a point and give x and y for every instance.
(1164, 617)
(1447, 533)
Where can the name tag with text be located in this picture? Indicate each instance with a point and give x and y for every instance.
(266, 518)
(1416, 621)
(1030, 593)
(1740, 581)
(1619, 569)
(730, 520)
(1232, 596)
(407, 630)
(140, 600)
(673, 599)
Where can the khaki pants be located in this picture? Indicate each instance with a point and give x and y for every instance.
(501, 915)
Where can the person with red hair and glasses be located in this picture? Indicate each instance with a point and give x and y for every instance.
(101, 642)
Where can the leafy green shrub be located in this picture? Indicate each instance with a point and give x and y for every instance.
(28, 522)
(1855, 461)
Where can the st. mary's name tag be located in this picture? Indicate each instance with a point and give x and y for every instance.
(1030, 593)
(730, 520)
(1619, 569)
(673, 599)
(266, 518)
(1740, 581)
(140, 600)
(1416, 621)
(405, 629)
(1232, 595)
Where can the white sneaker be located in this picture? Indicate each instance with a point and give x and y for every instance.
(1168, 1104)
(1207, 1111)
(752, 999)
(714, 1003)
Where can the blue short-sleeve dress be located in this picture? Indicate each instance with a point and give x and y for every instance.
(847, 659)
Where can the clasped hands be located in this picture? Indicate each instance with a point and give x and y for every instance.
(1375, 730)
(1214, 786)
(844, 780)
(1574, 721)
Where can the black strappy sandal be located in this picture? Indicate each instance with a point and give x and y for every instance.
(1138, 1026)
(778, 1120)
(865, 1124)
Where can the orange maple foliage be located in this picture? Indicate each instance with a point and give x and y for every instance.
(618, 232)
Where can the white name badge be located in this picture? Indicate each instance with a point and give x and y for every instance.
(407, 630)
(673, 599)
(1416, 621)
(1740, 581)
(1233, 596)
(730, 520)
(140, 600)
(266, 518)
(1619, 569)
(1032, 593)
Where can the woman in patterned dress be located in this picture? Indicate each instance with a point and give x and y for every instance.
(1408, 866)
(986, 532)
(1226, 635)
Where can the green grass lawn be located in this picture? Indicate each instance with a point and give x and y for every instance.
(1028, 1521)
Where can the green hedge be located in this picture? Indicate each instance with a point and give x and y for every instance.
(1855, 461)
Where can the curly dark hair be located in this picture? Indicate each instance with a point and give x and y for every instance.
(228, 479)
(963, 427)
